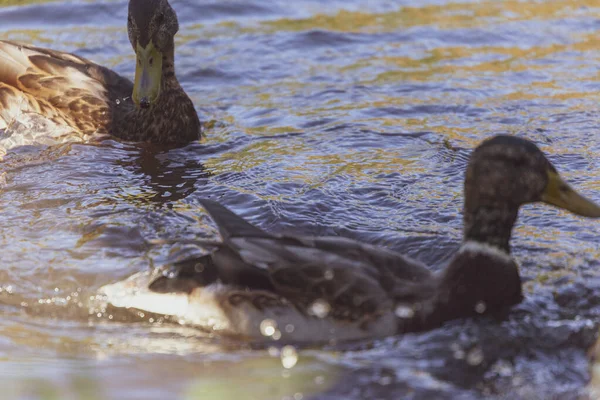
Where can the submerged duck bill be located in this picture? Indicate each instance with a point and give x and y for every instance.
(558, 193)
(148, 73)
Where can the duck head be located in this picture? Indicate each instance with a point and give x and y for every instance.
(151, 25)
(504, 173)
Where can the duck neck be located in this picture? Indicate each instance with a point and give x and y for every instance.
(490, 226)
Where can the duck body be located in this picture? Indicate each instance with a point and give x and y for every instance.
(79, 98)
(318, 289)
(314, 288)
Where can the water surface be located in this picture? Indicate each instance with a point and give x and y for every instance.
(350, 118)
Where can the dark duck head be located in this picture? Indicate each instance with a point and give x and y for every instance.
(503, 173)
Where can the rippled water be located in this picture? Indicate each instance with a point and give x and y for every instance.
(350, 118)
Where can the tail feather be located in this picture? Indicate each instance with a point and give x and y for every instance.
(229, 223)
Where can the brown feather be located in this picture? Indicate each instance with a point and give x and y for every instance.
(88, 98)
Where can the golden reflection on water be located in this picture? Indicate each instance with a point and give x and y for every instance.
(452, 15)
(264, 379)
(211, 374)
(395, 62)
(435, 64)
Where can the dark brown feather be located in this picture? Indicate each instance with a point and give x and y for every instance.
(358, 281)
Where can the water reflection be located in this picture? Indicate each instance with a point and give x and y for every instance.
(345, 77)
(166, 176)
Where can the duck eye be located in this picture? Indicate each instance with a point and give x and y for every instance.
(151, 61)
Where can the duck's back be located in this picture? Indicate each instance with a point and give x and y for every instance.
(75, 95)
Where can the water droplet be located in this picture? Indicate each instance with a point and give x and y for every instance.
(458, 351)
(268, 327)
(403, 311)
(298, 396)
(502, 368)
(475, 356)
(276, 335)
(319, 308)
(480, 307)
(289, 357)
(289, 328)
(319, 380)
(273, 351)
(328, 274)
(118, 101)
(459, 354)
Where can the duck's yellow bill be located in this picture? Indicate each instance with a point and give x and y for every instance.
(148, 74)
(560, 194)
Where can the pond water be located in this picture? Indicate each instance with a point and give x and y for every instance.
(350, 118)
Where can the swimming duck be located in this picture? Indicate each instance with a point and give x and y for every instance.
(76, 95)
(257, 286)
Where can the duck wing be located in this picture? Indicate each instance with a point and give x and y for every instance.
(349, 276)
(68, 89)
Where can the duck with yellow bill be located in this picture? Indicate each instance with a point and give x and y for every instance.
(76, 97)
(315, 289)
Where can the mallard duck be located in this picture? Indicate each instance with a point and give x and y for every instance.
(256, 286)
(77, 95)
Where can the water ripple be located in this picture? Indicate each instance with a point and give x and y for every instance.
(351, 118)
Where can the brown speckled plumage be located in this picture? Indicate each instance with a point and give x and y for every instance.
(87, 98)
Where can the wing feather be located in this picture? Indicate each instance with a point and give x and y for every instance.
(65, 88)
(349, 275)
